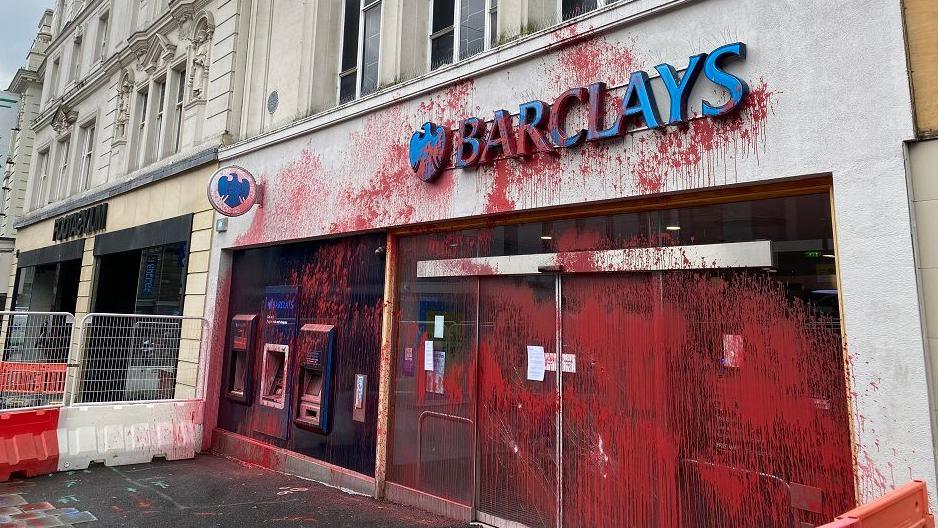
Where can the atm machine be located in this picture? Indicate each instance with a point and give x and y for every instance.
(241, 358)
(272, 414)
(313, 402)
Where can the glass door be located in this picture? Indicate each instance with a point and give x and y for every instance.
(517, 402)
(618, 467)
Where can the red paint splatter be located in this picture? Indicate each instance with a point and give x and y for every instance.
(584, 61)
(687, 157)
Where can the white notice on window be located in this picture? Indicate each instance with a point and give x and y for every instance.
(550, 362)
(438, 326)
(535, 363)
(568, 362)
(428, 355)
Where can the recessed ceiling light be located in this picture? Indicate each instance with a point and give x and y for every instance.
(673, 228)
(828, 255)
(546, 237)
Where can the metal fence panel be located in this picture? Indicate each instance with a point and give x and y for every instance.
(125, 358)
(36, 349)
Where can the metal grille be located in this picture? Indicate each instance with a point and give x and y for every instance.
(138, 357)
(36, 347)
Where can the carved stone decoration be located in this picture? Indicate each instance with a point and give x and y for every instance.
(183, 15)
(63, 119)
(159, 51)
(201, 58)
(122, 110)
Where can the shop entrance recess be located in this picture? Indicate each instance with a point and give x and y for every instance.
(651, 387)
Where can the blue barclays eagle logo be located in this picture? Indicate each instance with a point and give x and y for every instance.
(429, 151)
(234, 189)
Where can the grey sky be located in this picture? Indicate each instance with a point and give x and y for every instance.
(19, 20)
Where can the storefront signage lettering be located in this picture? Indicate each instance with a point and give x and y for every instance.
(232, 191)
(540, 127)
(80, 223)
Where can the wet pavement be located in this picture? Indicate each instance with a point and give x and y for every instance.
(207, 491)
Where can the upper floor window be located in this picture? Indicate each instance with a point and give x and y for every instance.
(42, 176)
(348, 68)
(371, 46)
(54, 78)
(574, 8)
(159, 110)
(178, 108)
(75, 71)
(451, 41)
(142, 110)
(57, 192)
(87, 157)
(493, 22)
(101, 37)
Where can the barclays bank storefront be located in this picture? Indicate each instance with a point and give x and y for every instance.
(597, 276)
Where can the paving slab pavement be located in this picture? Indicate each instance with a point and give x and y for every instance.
(207, 491)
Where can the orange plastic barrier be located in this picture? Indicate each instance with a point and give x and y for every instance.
(906, 507)
(32, 378)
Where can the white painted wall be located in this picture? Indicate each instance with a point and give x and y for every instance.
(839, 104)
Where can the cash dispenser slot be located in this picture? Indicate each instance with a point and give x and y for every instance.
(274, 375)
(315, 345)
(241, 358)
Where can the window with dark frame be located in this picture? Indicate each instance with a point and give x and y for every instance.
(450, 41)
(442, 33)
(574, 8)
(348, 69)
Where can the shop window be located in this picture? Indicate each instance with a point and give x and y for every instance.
(450, 41)
(161, 280)
(371, 46)
(445, 327)
(24, 288)
(273, 375)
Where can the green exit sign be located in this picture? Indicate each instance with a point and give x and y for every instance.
(812, 254)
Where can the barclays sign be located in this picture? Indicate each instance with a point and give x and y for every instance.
(541, 127)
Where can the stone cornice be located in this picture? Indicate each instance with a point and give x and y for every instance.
(21, 79)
